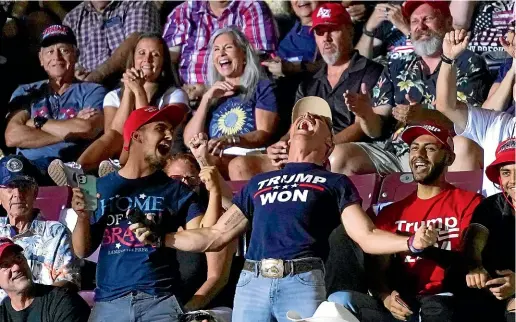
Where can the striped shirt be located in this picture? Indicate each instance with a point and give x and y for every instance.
(191, 24)
(100, 33)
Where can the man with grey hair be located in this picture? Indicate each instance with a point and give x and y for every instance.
(407, 90)
(344, 71)
(57, 117)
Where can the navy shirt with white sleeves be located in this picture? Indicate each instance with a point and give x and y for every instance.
(294, 210)
(125, 264)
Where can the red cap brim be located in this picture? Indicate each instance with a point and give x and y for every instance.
(492, 170)
(326, 23)
(173, 113)
(412, 133)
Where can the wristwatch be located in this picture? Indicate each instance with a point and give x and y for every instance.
(39, 121)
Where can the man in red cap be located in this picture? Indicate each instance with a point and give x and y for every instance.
(491, 234)
(136, 281)
(28, 301)
(408, 89)
(417, 281)
(345, 70)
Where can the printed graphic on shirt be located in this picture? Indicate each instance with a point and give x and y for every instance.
(118, 238)
(233, 117)
(448, 232)
(288, 188)
(493, 20)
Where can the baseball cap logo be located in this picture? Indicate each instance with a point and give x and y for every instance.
(151, 109)
(510, 144)
(324, 13)
(432, 128)
(14, 165)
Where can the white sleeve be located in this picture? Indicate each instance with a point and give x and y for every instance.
(112, 99)
(479, 120)
(174, 95)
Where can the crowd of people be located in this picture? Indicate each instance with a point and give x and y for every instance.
(148, 109)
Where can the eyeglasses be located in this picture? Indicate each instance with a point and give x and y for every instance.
(189, 180)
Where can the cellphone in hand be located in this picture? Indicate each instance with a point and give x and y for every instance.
(88, 185)
(400, 302)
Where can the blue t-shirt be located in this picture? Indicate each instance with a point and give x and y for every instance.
(124, 264)
(294, 210)
(233, 116)
(298, 45)
(39, 100)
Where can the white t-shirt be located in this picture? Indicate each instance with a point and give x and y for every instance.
(172, 95)
(488, 128)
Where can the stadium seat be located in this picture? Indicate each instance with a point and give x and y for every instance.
(88, 296)
(51, 200)
(368, 186)
(397, 186)
(236, 185)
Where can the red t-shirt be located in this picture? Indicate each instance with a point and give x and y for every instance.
(450, 211)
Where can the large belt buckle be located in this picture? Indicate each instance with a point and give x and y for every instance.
(272, 268)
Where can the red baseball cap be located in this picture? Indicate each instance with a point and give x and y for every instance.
(440, 133)
(411, 5)
(505, 153)
(7, 244)
(330, 14)
(174, 113)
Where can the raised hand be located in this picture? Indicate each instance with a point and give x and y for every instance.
(455, 43)
(220, 89)
(502, 287)
(275, 66)
(199, 146)
(398, 308)
(410, 113)
(134, 79)
(425, 236)
(210, 177)
(359, 103)
(79, 204)
(509, 44)
(278, 153)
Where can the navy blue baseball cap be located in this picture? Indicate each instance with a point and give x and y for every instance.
(57, 34)
(17, 169)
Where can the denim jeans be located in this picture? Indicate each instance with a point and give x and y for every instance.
(261, 299)
(137, 307)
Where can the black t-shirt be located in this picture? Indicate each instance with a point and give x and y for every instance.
(51, 304)
(496, 215)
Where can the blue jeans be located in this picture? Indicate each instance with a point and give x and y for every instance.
(137, 307)
(261, 299)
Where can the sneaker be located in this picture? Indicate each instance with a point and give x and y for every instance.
(108, 166)
(64, 174)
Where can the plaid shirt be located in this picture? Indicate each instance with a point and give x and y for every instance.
(47, 245)
(191, 24)
(100, 33)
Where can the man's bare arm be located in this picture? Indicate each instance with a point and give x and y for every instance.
(446, 97)
(75, 128)
(19, 135)
(231, 225)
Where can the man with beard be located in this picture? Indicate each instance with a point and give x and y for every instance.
(136, 281)
(344, 71)
(292, 212)
(418, 285)
(409, 86)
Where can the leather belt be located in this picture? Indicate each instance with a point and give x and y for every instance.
(277, 268)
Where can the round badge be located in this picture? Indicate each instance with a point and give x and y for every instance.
(407, 178)
(14, 165)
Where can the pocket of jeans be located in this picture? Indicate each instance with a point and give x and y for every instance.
(311, 278)
(244, 279)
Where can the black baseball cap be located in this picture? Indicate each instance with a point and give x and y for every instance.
(16, 169)
(57, 34)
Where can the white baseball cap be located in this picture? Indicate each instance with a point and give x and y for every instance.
(313, 105)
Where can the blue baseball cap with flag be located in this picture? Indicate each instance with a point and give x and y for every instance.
(16, 169)
(57, 34)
